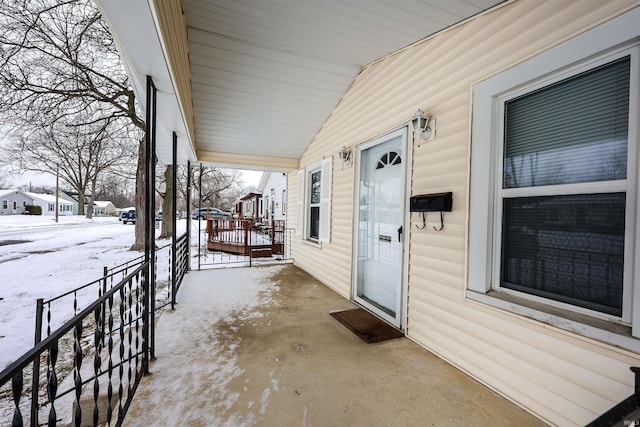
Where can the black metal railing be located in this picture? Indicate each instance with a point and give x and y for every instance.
(45, 309)
(50, 384)
(229, 241)
(180, 266)
(625, 413)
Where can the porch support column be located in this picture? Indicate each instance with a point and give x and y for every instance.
(199, 222)
(174, 222)
(188, 215)
(149, 223)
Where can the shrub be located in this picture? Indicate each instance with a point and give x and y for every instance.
(33, 209)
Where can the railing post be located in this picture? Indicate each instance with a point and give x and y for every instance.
(145, 323)
(35, 380)
(105, 272)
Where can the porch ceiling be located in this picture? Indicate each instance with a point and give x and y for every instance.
(262, 76)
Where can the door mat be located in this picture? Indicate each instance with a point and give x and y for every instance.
(368, 327)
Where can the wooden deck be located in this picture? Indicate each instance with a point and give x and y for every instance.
(246, 238)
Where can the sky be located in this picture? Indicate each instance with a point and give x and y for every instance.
(251, 178)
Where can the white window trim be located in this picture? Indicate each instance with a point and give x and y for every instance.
(600, 43)
(300, 210)
(325, 166)
(324, 232)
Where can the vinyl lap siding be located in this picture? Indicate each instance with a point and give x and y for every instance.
(561, 377)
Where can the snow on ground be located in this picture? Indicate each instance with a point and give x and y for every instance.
(229, 296)
(40, 258)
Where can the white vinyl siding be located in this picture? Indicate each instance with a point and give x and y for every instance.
(561, 376)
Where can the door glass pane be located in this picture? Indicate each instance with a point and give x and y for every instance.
(380, 215)
(566, 248)
(570, 132)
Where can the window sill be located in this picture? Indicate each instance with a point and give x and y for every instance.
(601, 330)
(312, 243)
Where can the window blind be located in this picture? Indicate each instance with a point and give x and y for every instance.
(572, 131)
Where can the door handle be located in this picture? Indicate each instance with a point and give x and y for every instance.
(399, 233)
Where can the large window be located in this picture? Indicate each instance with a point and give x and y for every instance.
(314, 201)
(554, 180)
(561, 238)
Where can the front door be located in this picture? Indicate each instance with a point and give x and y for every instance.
(380, 225)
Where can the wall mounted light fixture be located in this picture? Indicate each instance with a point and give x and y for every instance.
(424, 128)
(345, 155)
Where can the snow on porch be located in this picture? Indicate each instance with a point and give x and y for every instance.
(257, 346)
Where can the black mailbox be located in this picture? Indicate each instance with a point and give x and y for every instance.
(437, 202)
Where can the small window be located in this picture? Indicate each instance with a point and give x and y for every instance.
(314, 205)
(390, 158)
(314, 201)
(5, 204)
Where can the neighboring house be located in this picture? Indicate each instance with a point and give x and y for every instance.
(74, 196)
(48, 204)
(273, 186)
(13, 202)
(248, 206)
(70, 199)
(103, 208)
(530, 282)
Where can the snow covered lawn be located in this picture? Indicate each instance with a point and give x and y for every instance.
(42, 259)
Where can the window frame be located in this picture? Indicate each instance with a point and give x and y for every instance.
(308, 205)
(613, 186)
(303, 226)
(587, 51)
(284, 202)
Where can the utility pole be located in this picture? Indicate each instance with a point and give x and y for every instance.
(57, 190)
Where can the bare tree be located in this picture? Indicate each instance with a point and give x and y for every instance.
(5, 181)
(117, 188)
(58, 59)
(217, 183)
(79, 153)
(166, 229)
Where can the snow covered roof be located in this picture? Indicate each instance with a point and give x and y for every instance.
(49, 198)
(102, 203)
(8, 191)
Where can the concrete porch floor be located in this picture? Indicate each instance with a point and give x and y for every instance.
(281, 360)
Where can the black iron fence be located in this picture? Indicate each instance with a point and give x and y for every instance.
(179, 264)
(86, 371)
(50, 384)
(233, 241)
(46, 309)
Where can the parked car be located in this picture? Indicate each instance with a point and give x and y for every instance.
(213, 212)
(128, 216)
